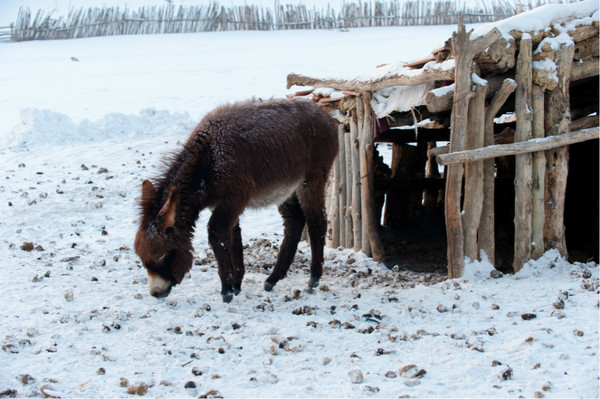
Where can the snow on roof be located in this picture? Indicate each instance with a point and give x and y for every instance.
(541, 18)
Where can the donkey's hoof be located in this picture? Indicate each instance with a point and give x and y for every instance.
(236, 291)
(269, 286)
(313, 283)
(228, 297)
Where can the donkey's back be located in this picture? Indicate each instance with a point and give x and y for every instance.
(263, 150)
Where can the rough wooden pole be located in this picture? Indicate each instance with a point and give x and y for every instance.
(341, 179)
(539, 173)
(364, 171)
(473, 197)
(329, 200)
(523, 162)
(349, 241)
(368, 180)
(356, 189)
(487, 241)
(557, 119)
(335, 203)
(464, 49)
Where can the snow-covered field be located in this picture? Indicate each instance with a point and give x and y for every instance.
(82, 122)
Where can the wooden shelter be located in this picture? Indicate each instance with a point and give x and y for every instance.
(481, 133)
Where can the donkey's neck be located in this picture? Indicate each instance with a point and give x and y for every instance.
(187, 172)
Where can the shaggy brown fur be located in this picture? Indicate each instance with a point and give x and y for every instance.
(248, 154)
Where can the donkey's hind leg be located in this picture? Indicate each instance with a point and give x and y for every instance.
(312, 200)
(293, 222)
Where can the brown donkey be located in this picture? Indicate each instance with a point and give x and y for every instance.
(248, 154)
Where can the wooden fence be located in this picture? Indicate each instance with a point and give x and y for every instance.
(90, 22)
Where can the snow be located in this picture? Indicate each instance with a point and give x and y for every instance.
(78, 138)
(541, 18)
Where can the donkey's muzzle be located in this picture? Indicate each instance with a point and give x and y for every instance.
(159, 287)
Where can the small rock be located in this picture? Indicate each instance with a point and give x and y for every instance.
(190, 385)
(391, 374)
(101, 371)
(506, 374)
(367, 330)
(371, 389)
(538, 394)
(8, 393)
(326, 361)
(26, 379)
(213, 393)
(496, 363)
(528, 316)
(496, 274)
(560, 304)
(412, 383)
(578, 333)
(139, 388)
(547, 386)
(69, 297)
(495, 307)
(441, 308)
(356, 376)
(123, 382)
(27, 246)
(420, 374)
(196, 371)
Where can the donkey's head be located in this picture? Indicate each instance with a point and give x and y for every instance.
(165, 250)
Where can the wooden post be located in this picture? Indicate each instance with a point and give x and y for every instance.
(356, 189)
(341, 179)
(464, 50)
(539, 172)
(368, 180)
(487, 241)
(364, 171)
(335, 203)
(523, 162)
(473, 197)
(349, 241)
(557, 118)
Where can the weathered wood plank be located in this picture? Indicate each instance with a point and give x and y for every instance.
(523, 162)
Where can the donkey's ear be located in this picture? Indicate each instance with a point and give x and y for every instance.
(166, 215)
(148, 190)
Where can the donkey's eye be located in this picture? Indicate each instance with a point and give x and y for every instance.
(160, 259)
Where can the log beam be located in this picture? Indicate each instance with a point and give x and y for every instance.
(501, 150)
(405, 77)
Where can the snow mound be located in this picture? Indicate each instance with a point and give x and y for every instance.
(44, 127)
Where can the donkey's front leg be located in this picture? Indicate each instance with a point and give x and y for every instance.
(219, 237)
(237, 258)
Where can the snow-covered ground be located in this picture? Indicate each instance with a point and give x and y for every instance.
(82, 122)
